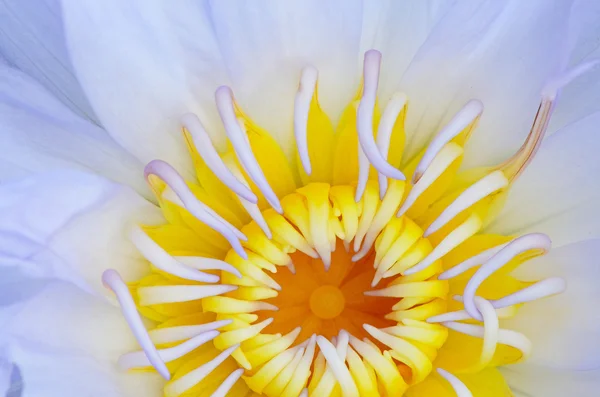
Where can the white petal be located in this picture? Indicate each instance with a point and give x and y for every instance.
(558, 193)
(143, 65)
(39, 134)
(72, 225)
(398, 29)
(66, 342)
(533, 381)
(265, 46)
(582, 96)
(500, 52)
(564, 328)
(32, 40)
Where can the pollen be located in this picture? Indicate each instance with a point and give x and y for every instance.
(345, 270)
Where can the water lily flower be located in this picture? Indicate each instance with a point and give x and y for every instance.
(311, 198)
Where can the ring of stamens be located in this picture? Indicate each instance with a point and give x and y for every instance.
(334, 289)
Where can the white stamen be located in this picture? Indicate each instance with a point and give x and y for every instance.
(208, 153)
(384, 132)
(306, 90)
(470, 263)
(440, 163)
(505, 336)
(466, 229)
(304, 393)
(201, 263)
(165, 262)
(228, 383)
(338, 367)
(158, 294)
(342, 343)
(139, 359)
(479, 190)
(251, 208)
(198, 209)
(514, 248)
(461, 315)
(192, 378)
(364, 118)
(542, 289)
(113, 281)
(459, 122)
(552, 88)
(460, 388)
(491, 325)
(183, 332)
(224, 100)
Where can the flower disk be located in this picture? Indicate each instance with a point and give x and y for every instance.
(330, 273)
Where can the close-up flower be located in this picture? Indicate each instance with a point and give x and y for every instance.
(299, 198)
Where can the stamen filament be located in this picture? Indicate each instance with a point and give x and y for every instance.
(384, 132)
(364, 122)
(196, 207)
(224, 100)
(484, 187)
(467, 115)
(460, 388)
(522, 244)
(113, 281)
(304, 96)
(156, 255)
(183, 332)
(228, 383)
(139, 359)
(205, 148)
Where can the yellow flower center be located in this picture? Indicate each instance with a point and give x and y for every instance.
(329, 274)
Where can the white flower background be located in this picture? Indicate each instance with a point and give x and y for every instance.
(92, 90)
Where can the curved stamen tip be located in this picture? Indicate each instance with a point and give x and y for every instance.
(205, 148)
(551, 89)
(460, 388)
(372, 64)
(223, 94)
(113, 281)
(472, 109)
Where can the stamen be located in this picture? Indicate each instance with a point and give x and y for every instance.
(183, 332)
(460, 388)
(208, 153)
(304, 96)
(304, 393)
(461, 315)
(224, 100)
(467, 229)
(338, 367)
(384, 132)
(201, 263)
(470, 263)
(302, 371)
(192, 378)
(113, 281)
(542, 289)
(158, 294)
(165, 262)
(440, 163)
(505, 336)
(522, 244)
(364, 120)
(228, 383)
(479, 190)
(491, 325)
(197, 208)
(139, 359)
(251, 208)
(467, 115)
(552, 88)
